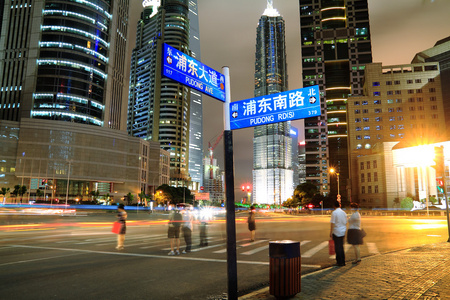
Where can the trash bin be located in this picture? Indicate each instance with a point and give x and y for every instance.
(285, 268)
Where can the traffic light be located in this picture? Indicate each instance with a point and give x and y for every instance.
(439, 161)
(244, 188)
(440, 185)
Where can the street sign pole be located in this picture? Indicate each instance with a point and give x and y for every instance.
(446, 207)
(229, 190)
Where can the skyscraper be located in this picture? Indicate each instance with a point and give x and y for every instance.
(63, 60)
(158, 107)
(62, 106)
(272, 144)
(336, 45)
(196, 118)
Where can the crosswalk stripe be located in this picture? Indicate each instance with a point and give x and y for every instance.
(256, 250)
(213, 246)
(241, 246)
(315, 249)
(346, 247)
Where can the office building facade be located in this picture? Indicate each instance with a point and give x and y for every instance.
(272, 144)
(440, 53)
(63, 60)
(158, 107)
(401, 104)
(336, 45)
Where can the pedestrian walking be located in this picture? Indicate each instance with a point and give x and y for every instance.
(354, 236)
(175, 221)
(121, 218)
(338, 227)
(252, 223)
(204, 218)
(188, 219)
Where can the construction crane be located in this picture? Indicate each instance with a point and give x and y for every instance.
(211, 150)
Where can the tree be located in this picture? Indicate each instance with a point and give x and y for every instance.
(19, 190)
(3, 192)
(169, 194)
(407, 203)
(39, 193)
(433, 200)
(129, 198)
(94, 195)
(107, 196)
(142, 197)
(292, 202)
(304, 193)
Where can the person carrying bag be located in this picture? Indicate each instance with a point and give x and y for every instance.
(355, 234)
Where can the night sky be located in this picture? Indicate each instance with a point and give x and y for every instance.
(399, 29)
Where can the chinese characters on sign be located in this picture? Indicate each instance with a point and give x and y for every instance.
(189, 71)
(275, 108)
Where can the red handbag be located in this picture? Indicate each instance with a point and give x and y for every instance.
(116, 227)
(331, 250)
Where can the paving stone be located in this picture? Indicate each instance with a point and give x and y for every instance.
(417, 273)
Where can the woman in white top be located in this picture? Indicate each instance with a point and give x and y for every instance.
(354, 236)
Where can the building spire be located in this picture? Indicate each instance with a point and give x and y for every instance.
(270, 11)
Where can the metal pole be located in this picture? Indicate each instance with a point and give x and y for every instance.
(229, 190)
(446, 203)
(67, 190)
(338, 182)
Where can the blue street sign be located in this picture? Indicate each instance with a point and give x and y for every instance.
(275, 108)
(189, 71)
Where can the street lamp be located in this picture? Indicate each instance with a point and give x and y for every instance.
(337, 174)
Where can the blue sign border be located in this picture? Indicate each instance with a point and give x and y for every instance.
(286, 106)
(186, 70)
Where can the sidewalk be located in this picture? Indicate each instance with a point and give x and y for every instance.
(418, 273)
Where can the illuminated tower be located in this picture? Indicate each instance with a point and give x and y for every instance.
(63, 60)
(272, 144)
(196, 109)
(335, 37)
(158, 107)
